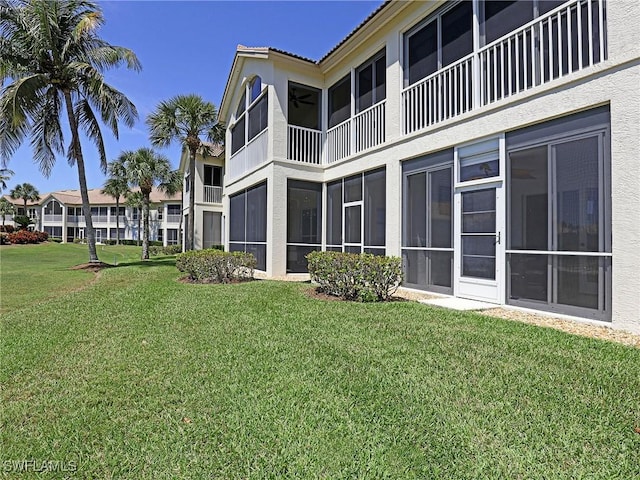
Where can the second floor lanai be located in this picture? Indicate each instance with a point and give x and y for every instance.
(409, 68)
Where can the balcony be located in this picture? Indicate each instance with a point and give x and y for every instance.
(568, 39)
(249, 156)
(361, 132)
(212, 194)
(174, 218)
(52, 218)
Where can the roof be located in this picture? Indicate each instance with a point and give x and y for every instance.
(96, 197)
(216, 150)
(242, 49)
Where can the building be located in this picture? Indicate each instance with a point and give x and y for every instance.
(60, 214)
(493, 145)
(209, 219)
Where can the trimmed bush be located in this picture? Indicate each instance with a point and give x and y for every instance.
(215, 266)
(7, 228)
(168, 250)
(23, 237)
(4, 238)
(350, 276)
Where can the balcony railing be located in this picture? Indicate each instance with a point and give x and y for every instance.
(52, 218)
(212, 194)
(99, 218)
(249, 156)
(174, 218)
(305, 145)
(339, 141)
(369, 127)
(568, 39)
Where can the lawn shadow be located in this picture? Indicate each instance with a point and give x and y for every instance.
(152, 262)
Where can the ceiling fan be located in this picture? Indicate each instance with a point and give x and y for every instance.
(297, 100)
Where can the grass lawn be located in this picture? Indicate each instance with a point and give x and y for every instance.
(140, 376)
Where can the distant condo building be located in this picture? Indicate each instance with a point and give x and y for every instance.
(60, 214)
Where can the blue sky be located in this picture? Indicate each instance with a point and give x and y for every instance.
(188, 47)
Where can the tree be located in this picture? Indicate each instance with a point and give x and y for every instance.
(185, 119)
(116, 186)
(52, 61)
(5, 176)
(147, 169)
(27, 192)
(6, 208)
(135, 200)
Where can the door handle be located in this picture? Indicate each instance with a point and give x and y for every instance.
(498, 238)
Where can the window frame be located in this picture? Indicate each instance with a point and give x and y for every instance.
(372, 62)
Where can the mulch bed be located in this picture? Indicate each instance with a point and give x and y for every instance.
(92, 266)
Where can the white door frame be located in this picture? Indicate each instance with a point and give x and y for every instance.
(358, 203)
(487, 290)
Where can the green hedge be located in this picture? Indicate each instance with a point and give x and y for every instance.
(216, 266)
(156, 250)
(351, 276)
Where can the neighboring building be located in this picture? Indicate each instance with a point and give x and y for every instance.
(209, 222)
(60, 214)
(493, 145)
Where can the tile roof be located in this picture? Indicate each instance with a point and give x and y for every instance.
(96, 197)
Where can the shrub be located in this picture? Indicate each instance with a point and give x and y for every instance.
(155, 250)
(7, 228)
(215, 266)
(22, 221)
(364, 277)
(26, 236)
(4, 238)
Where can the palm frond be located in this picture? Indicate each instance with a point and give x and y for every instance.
(46, 133)
(89, 124)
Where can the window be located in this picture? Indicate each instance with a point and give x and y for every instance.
(304, 223)
(113, 211)
(251, 114)
(340, 101)
(371, 82)
(173, 209)
(303, 107)
(212, 176)
(172, 236)
(51, 208)
(427, 225)
(54, 232)
(356, 213)
(439, 41)
(248, 223)
(559, 245)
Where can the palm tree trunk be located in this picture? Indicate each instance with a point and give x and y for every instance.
(192, 200)
(145, 232)
(90, 233)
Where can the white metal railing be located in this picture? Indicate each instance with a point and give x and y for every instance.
(52, 218)
(212, 194)
(99, 218)
(339, 141)
(369, 127)
(565, 40)
(304, 145)
(249, 156)
(444, 94)
(173, 218)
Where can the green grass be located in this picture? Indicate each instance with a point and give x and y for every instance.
(32, 273)
(140, 376)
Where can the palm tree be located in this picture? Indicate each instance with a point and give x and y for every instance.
(26, 192)
(147, 169)
(135, 200)
(116, 186)
(6, 208)
(5, 176)
(53, 61)
(185, 119)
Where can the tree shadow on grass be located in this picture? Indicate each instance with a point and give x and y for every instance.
(152, 262)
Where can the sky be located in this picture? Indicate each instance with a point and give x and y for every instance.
(188, 47)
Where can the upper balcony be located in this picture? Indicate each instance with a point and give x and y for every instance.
(462, 57)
